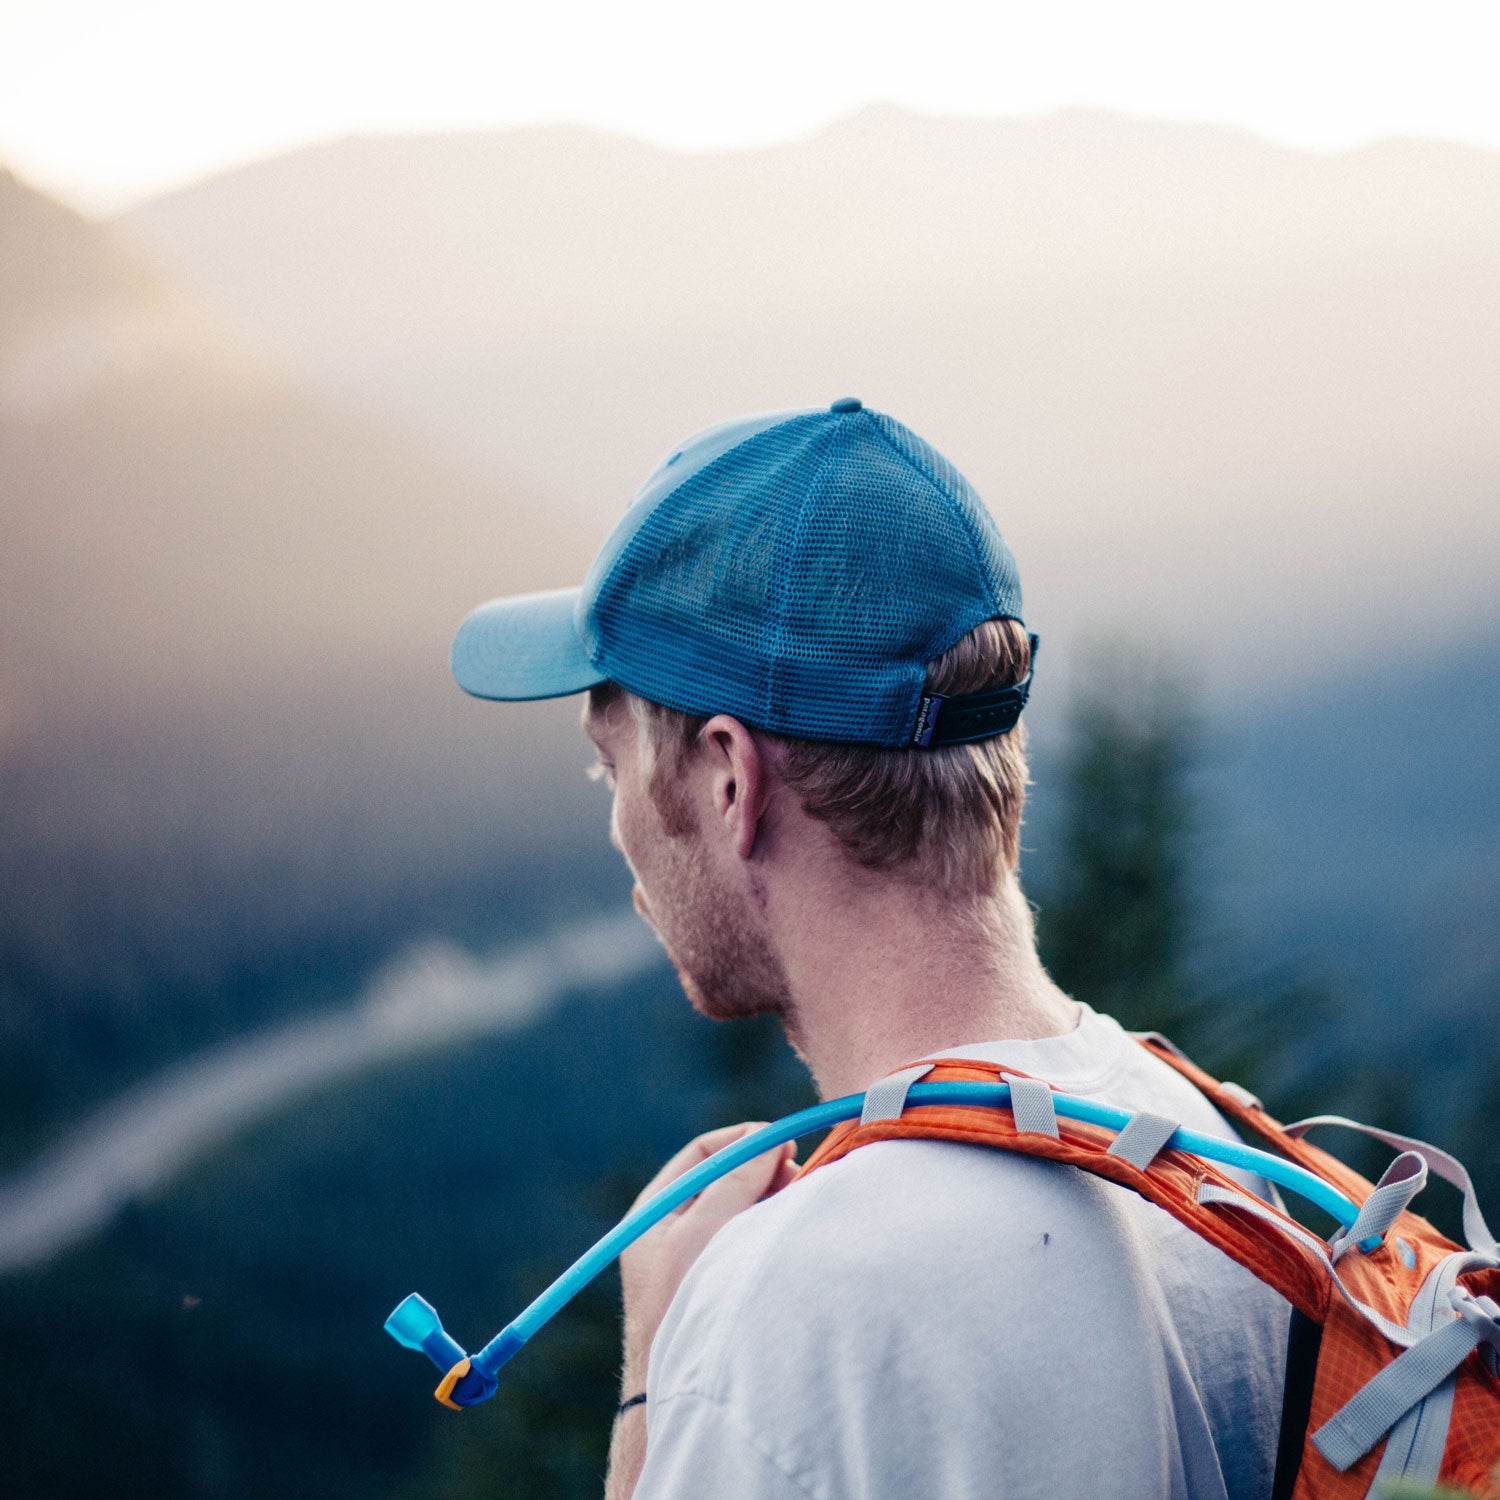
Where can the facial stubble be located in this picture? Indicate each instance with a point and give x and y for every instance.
(712, 932)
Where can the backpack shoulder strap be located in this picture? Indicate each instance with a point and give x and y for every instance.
(1244, 1111)
(1373, 1337)
(1267, 1245)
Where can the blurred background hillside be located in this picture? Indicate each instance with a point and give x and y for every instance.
(311, 990)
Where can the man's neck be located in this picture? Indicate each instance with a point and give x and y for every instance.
(886, 974)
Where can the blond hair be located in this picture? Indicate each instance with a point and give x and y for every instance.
(947, 819)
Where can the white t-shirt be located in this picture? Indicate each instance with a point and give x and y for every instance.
(931, 1318)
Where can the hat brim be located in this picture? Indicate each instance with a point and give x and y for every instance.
(523, 647)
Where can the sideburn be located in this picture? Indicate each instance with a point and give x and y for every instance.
(667, 792)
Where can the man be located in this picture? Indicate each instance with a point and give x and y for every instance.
(804, 657)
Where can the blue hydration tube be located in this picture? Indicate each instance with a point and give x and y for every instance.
(470, 1379)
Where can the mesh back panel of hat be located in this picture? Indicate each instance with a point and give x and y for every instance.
(803, 580)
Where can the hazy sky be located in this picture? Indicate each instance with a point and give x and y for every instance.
(103, 102)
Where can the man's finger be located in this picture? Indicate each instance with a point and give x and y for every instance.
(786, 1172)
(745, 1185)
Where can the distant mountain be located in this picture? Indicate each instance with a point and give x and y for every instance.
(182, 517)
(233, 767)
(1237, 395)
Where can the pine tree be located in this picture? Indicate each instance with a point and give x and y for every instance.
(1116, 927)
(1122, 925)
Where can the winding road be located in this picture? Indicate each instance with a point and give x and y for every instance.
(435, 996)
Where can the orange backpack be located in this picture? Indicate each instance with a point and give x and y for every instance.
(1393, 1365)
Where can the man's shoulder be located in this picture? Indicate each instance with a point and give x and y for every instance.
(948, 1272)
(904, 1240)
(896, 1204)
(914, 1219)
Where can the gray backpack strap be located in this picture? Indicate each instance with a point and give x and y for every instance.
(1449, 1168)
(1380, 1403)
(1414, 1447)
(1398, 1185)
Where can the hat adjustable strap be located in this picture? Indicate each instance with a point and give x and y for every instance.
(958, 718)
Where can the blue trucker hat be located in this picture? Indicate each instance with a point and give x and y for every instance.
(796, 569)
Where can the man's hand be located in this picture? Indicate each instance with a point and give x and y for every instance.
(653, 1268)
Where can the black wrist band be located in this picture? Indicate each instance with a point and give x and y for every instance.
(625, 1406)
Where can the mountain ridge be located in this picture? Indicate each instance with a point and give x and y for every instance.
(1233, 369)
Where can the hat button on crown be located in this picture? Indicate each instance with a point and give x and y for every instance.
(847, 403)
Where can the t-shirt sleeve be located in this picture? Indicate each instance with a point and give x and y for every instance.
(697, 1448)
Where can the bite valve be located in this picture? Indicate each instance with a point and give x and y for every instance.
(466, 1381)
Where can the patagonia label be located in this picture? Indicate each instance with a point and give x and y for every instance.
(927, 712)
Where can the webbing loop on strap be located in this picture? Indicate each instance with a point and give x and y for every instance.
(1142, 1139)
(1449, 1168)
(1031, 1106)
(1241, 1095)
(885, 1099)
(1398, 1185)
(1378, 1405)
(1480, 1313)
(1161, 1041)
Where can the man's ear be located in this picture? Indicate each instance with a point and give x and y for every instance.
(739, 780)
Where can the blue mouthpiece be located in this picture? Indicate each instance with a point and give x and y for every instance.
(416, 1325)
